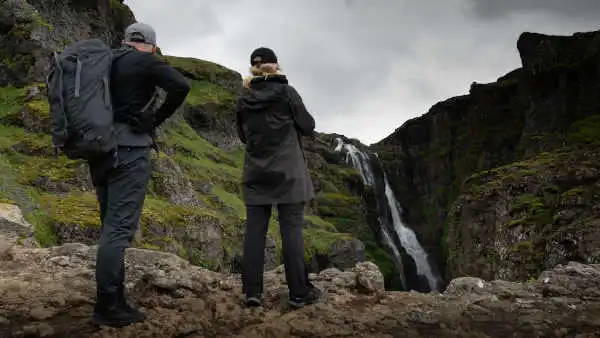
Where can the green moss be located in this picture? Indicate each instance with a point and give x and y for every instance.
(161, 213)
(201, 162)
(338, 205)
(150, 247)
(230, 201)
(585, 131)
(320, 223)
(318, 241)
(203, 92)
(10, 99)
(58, 169)
(200, 70)
(76, 208)
(116, 4)
(39, 20)
(39, 108)
(522, 247)
(377, 254)
(516, 222)
(574, 192)
(527, 203)
(44, 231)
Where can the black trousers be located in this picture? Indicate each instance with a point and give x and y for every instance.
(291, 217)
(121, 191)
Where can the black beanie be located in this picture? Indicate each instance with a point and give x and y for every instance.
(262, 55)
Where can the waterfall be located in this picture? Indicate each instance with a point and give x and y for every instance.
(408, 239)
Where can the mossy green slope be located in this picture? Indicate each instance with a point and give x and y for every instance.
(522, 218)
(57, 197)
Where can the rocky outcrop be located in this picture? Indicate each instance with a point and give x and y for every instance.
(210, 110)
(541, 52)
(514, 221)
(50, 293)
(550, 103)
(14, 228)
(170, 181)
(31, 30)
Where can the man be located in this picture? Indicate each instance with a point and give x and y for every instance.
(121, 179)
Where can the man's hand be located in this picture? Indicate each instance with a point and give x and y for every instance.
(143, 125)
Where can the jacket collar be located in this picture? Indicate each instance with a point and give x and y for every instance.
(279, 78)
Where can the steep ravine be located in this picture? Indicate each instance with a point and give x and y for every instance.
(503, 182)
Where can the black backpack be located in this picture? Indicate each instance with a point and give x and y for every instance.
(78, 88)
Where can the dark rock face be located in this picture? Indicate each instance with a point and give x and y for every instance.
(170, 181)
(341, 254)
(213, 120)
(541, 52)
(551, 103)
(215, 123)
(32, 30)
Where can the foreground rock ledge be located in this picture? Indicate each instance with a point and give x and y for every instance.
(50, 293)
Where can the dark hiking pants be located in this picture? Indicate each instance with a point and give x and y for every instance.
(121, 191)
(257, 223)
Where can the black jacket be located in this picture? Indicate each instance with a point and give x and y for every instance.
(270, 119)
(134, 78)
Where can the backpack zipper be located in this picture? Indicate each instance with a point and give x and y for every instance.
(78, 77)
(106, 91)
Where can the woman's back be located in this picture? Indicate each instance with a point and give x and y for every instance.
(269, 124)
(270, 117)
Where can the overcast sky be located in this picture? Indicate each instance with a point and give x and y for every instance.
(364, 67)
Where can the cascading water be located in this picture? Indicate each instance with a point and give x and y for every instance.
(407, 237)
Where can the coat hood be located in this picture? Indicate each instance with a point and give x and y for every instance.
(262, 92)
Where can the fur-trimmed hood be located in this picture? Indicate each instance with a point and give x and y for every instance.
(262, 90)
(253, 78)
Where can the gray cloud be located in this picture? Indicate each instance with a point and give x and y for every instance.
(571, 9)
(363, 67)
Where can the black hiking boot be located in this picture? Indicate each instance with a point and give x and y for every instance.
(122, 302)
(110, 311)
(312, 297)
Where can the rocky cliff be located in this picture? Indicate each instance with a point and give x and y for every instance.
(31, 30)
(193, 207)
(503, 182)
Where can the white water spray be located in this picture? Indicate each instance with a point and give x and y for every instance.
(407, 237)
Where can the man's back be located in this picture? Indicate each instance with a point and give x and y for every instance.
(132, 84)
(134, 78)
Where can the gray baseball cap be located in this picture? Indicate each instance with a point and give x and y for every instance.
(140, 32)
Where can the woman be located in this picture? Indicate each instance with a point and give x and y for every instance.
(270, 119)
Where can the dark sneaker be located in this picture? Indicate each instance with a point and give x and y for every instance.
(253, 301)
(312, 297)
(110, 311)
